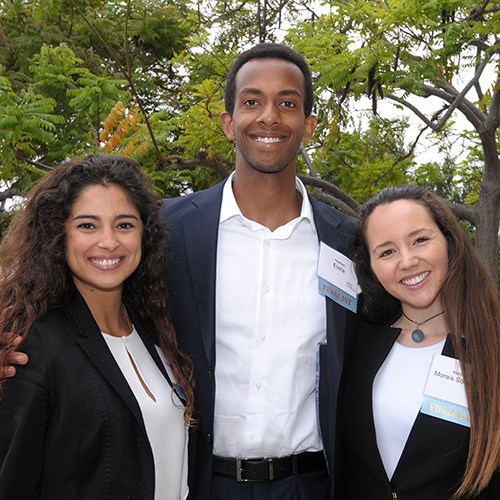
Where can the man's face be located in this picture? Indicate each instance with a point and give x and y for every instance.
(268, 124)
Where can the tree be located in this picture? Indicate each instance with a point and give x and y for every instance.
(408, 53)
(146, 78)
(79, 59)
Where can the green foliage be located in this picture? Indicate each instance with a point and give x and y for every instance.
(405, 52)
(82, 97)
(65, 65)
(27, 123)
(5, 220)
(375, 47)
(199, 126)
(361, 162)
(61, 68)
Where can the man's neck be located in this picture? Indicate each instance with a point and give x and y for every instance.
(269, 199)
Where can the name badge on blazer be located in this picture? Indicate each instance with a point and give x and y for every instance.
(444, 393)
(336, 277)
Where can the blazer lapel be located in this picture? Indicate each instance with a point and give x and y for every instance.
(151, 344)
(376, 353)
(328, 226)
(423, 427)
(94, 345)
(200, 229)
(331, 228)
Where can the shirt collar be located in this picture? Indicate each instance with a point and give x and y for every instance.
(229, 207)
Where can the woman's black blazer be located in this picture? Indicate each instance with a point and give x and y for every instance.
(433, 460)
(70, 426)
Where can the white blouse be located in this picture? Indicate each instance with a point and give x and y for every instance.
(162, 411)
(398, 391)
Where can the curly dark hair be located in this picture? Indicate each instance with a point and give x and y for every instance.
(34, 275)
(469, 297)
(269, 51)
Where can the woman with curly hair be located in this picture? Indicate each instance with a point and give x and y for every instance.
(103, 408)
(420, 411)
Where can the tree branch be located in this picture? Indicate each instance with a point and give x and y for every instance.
(471, 112)
(174, 162)
(127, 75)
(9, 193)
(493, 120)
(343, 198)
(401, 158)
(37, 164)
(460, 97)
(477, 86)
(308, 161)
(412, 108)
(463, 212)
(318, 193)
(334, 202)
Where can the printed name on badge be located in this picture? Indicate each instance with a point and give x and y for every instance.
(444, 393)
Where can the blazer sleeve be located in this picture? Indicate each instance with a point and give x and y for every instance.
(493, 490)
(24, 419)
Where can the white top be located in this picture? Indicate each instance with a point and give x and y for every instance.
(398, 391)
(163, 418)
(270, 318)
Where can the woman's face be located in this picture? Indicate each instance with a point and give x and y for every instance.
(408, 253)
(103, 238)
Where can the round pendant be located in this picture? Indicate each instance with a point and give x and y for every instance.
(417, 336)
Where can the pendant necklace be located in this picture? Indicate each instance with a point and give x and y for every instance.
(418, 335)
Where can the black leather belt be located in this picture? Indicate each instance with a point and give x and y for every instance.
(267, 469)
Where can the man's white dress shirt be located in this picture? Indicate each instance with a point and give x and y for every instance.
(270, 318)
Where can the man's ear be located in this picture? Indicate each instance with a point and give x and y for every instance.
(309, 128)
(227, 124)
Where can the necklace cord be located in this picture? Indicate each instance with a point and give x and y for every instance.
(418, 335)
(422, 322)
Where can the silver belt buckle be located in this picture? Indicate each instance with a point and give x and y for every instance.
(239, 470)
(271, 468)
(239, 479)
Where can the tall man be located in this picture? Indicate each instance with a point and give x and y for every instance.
(243, 282)
(246, 307)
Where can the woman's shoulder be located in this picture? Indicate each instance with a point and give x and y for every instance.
(56, 328)
(368, 328)
(373, 333)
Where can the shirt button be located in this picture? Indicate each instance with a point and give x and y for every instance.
(266, 289)
(252, 435)
(262, 337)
(268, 243)
(258, 385)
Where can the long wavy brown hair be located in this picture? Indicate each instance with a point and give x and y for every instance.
(472, 309)
(35, 277)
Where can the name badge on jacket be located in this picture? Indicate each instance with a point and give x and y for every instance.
(444, 393)
(336, 277)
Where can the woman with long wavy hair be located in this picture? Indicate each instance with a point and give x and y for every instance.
(104, 406)
(420, 411)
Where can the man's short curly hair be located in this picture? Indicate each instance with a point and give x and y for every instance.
(269, 51)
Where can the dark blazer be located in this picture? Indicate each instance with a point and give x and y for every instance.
(70, 426)
(434, 457)
(192, 223)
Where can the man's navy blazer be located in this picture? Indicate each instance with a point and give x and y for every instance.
(192, 224)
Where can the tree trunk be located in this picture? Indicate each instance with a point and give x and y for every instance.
(488, 214)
